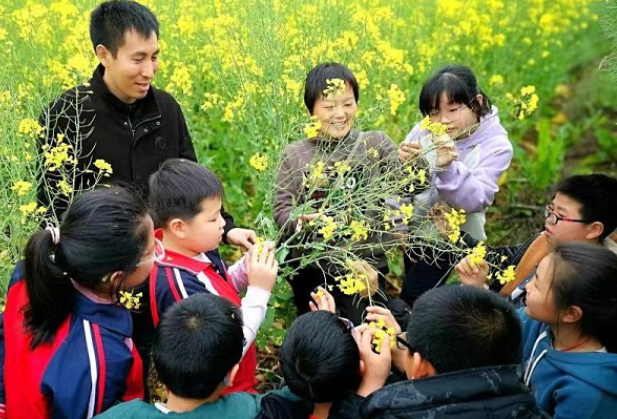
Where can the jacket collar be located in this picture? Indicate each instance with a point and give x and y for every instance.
(145, 108)
(178, 260)
(109, 316)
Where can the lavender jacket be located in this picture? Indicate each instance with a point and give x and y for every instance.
(470, 183)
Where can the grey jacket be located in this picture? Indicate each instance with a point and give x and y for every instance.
(368, 153)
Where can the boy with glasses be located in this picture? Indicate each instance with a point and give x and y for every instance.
(583, 209)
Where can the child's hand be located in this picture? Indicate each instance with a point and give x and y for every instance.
(437, 214)
(446, 151)
(262, 267)
(322, 300)
(409, 152)
(362, 267)
(241, 237)
(472, 274)
(375, 366)
(305, 218)
(376, 313)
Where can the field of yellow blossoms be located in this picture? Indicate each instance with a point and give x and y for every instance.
(237, 68)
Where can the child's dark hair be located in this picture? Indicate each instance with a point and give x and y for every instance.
(319, 358)
(597, 195)
(316, 82)
(199, 341)
(104, 231)
(457, 328)
(584, 275)
(461, 86)
(178, 188)
(112, 19)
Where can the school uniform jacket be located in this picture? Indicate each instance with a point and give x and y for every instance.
(90, 365)
(178, 277)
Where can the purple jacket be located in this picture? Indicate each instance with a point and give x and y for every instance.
(470, 183)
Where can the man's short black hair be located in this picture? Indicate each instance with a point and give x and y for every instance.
(316, 82)
(458, 327)
(319, 358)
(110, 21)
(199, 341)
(178, 189)
(597, 195)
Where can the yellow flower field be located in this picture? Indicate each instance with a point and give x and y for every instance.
(237, 68)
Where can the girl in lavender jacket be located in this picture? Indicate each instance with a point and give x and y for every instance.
(466, 162)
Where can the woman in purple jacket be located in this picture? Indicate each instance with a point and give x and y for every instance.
(466, 163)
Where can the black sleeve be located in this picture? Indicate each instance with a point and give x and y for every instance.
(187, 150)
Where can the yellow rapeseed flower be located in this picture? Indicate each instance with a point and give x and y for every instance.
(360, 230)
(436, 128)
(397, 98)
(327, 230)
(28, 209)
(507, 275)
(334, 88)
(259, 162)
(350, 285)
(65, 188)
(130, 301)
(21, 187)
(29, 127)
(312, 128)
(104, 167)
(477, 254)
(455, 220)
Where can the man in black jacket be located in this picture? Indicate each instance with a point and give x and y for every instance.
(462, 353)
(118, 117)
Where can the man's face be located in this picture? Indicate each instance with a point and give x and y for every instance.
(129, 74)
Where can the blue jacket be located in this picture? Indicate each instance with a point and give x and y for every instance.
(577, 385)
(90, 365)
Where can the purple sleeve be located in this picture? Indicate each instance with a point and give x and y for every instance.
(413, 135)
(474, 189)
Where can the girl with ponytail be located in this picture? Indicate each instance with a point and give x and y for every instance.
(65, 342)
(570, 331)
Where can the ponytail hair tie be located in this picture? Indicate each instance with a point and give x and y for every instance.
(55, 233)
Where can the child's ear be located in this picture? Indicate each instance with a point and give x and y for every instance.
(115, 279)
(177, 227)
(480, 100)
(362, 368)
(594, 230)
(231, 375)
(572, 314)
(420, 367)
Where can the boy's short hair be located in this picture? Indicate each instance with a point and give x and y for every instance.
(315, 82)
(112, 19)
(457, 328)
(597, 194)
(199, 340)
(319, 358)
(178, 189)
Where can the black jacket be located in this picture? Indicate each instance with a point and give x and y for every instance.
(492, 392)
(134, 139)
